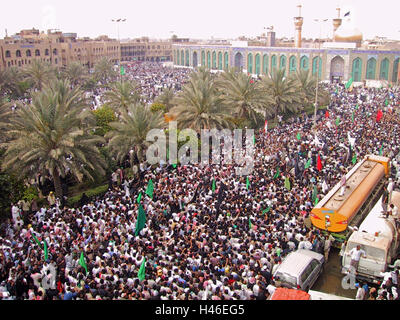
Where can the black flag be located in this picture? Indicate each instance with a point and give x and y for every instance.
(196, 193)
(221, 190)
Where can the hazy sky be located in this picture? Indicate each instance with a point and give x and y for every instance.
(197, 19)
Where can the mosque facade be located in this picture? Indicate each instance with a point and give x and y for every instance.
(339, 60)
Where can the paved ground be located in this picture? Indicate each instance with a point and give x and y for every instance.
(331, 279)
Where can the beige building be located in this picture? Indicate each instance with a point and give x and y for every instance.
(145, 49)
(57, 48)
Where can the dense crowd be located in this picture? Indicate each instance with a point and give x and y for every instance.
(154, 77)
(151, 78)
(200, 242)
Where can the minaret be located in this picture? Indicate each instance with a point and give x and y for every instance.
(298, 23)
(336, 22)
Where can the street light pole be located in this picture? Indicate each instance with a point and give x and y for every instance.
(117, 21)
(318, 68)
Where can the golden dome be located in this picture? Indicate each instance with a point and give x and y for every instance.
(344, 34)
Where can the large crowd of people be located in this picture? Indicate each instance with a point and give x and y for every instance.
(151, 79)
(209, 234)
(154, 77)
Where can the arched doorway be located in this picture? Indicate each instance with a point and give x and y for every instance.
(220, 61)
(304, 63)
(384, 69)
(357, 69)
(226, 60)
(317, 66)
(292, 64)
(257, 64)
(250, 63)
(282, 63)
(265, 64)
(395, 70)
(273, 64)
(337, 69)
(187, 58)
(194, 60)
(371, 67)
(214, 60)
(239, 61)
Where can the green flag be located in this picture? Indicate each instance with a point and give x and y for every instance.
(174, 165)
(386, 102)
(352, 117)
(354, 160)
(357, 106)
(287, 183)
(82, 262)
(122, 71)
(139, 197)
(46, 250)
(247, 183)
(250, 224)
(308, 164)
(314, 194)
(266, 210)
(298, 136)
(213, 186)
(337, 121)
(141, 273)
(150, 189)
(276, 175)
(254, 139)
(349, 83)
(37, 240)
(141, 220)
(381, 151)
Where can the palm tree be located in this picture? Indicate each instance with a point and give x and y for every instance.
(75, 73)
(199, 105)
(122, 94)
(129, 133)
(53, 136)
(284, 93)
(166, 98)
(39, 73)
(242, 94)
(104, 71)
(307, 84)
(13, 83)
(5, 113)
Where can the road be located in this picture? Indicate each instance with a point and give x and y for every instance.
(330, 280)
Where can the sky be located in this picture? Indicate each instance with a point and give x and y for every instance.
(202, 19)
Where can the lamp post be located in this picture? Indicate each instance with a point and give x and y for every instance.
(318, 68)
(117, 21)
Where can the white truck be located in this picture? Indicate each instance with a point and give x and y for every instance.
(378, 236)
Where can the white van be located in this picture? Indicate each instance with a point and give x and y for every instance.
(300, 269)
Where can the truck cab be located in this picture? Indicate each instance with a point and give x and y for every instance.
(379, 238)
